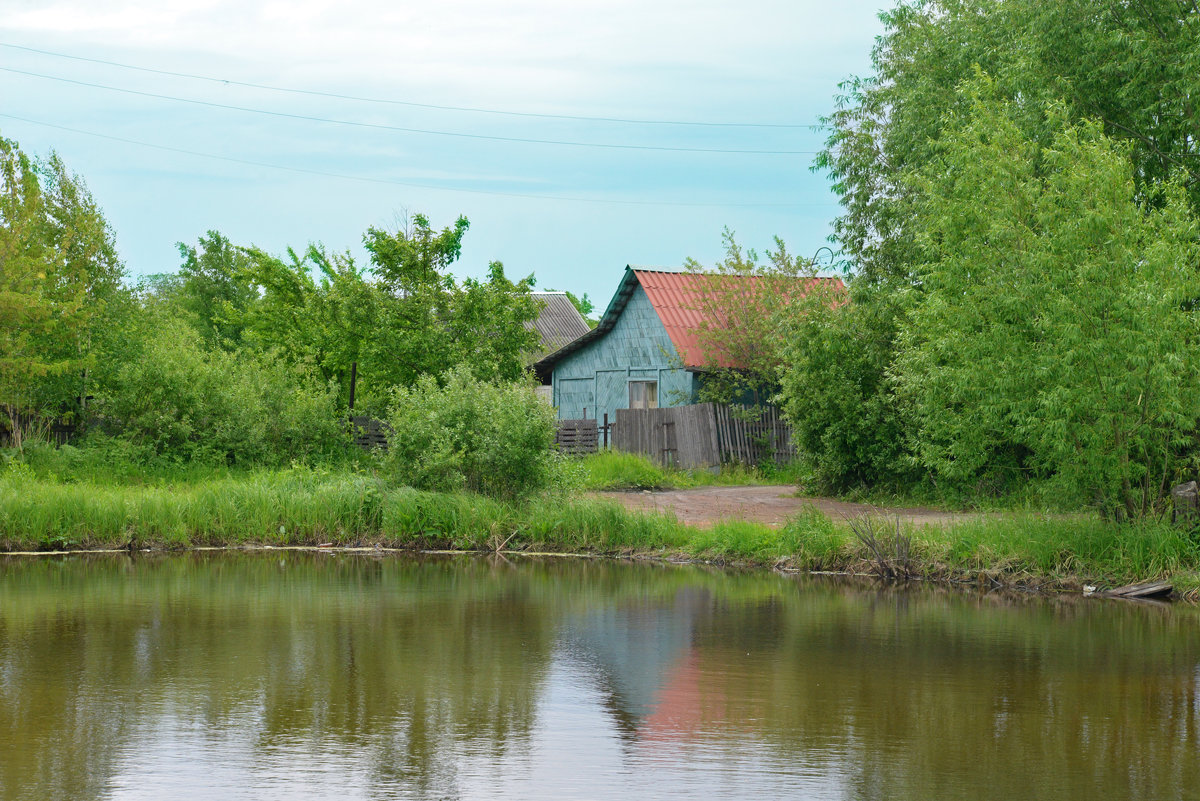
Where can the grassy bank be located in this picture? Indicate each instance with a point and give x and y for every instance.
(613, 470)
(305, 507)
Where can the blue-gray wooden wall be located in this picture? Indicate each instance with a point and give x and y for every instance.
(597, 376)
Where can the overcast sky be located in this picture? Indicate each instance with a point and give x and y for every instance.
(573, 215)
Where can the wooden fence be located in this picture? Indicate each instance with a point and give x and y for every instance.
(704, 435)
(369, 433)
(577, 436)
(35, 428)
(753, 435)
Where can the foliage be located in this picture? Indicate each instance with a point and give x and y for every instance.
(741, 304)
(1002, 331)
(182, 402)
(402, 317)
(1132, 67)
(215, 286)
(1054, 329)
(59, 270)
(466, 433)
(834, 391)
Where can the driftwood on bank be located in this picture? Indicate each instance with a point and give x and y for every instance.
(1148, 589)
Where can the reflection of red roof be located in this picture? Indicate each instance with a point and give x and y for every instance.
(676, 297)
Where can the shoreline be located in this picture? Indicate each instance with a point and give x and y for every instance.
(985, 581)
(305, 510)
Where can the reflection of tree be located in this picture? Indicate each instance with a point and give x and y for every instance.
(396, 658)
(413, 669)
(943, 695)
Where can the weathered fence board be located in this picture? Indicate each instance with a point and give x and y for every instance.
(369, 433)
(35, 428)
(753, 435)
(704, 435)
(577, 436)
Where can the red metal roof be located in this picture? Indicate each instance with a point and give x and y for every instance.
(677, 298)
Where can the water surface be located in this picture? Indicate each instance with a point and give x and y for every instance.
(300, 675)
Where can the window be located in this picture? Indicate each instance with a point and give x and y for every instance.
(643, 394)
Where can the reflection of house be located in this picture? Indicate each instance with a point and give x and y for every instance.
(632, 651)
(646, 352)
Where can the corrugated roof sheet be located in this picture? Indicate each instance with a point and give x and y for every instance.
(559, 322)
(677, 298)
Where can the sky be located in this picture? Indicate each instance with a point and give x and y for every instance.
(399, 108)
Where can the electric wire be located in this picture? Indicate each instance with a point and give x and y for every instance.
(409, 103)
(402, 129)
(410, 184)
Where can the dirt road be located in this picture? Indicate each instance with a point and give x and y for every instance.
(770, 505)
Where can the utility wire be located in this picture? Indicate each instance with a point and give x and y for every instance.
(365, 179)
(360, 99)
(380, 126)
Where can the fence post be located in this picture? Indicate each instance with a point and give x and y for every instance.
(606, 429)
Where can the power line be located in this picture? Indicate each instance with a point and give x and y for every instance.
(409, 184)
(382, 127)
(409, 103)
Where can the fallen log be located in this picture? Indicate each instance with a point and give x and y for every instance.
(1149, 589)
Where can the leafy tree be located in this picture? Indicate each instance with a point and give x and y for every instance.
(742, 304)
(1054, 331)
(415, 257)
(1132, 66)
(428, 320)
(835, 391)
(60, 269)
(216, 288)
(1129, 67)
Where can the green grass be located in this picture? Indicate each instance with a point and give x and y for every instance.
(614, 470)
(302, 506)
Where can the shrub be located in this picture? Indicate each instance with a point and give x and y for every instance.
(180, 402)
(463, 433)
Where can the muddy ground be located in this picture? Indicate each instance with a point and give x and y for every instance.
(770, 505)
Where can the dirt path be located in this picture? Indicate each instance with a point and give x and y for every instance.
(770, 505)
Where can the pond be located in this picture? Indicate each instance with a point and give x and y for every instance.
(310, 675)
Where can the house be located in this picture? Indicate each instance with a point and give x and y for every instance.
(558, 323)
(646, 352)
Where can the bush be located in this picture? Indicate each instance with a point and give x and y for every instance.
(835, 391)
(489, 438)
(180, 402)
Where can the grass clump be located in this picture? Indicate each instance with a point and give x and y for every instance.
(1080, 546)
(616, 470)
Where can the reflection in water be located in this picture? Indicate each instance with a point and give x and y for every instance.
(289, 675)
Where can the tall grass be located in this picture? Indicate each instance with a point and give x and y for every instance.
(616, 470)
(308, 507)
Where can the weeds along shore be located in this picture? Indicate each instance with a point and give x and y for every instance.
(304, 507)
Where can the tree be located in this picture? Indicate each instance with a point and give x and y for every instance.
(217, 288)
(1054, 333)
(1128, 68)
(60, 269)
(430, 321)
(742, 305)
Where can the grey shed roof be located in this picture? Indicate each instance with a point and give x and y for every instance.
(559, 323)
